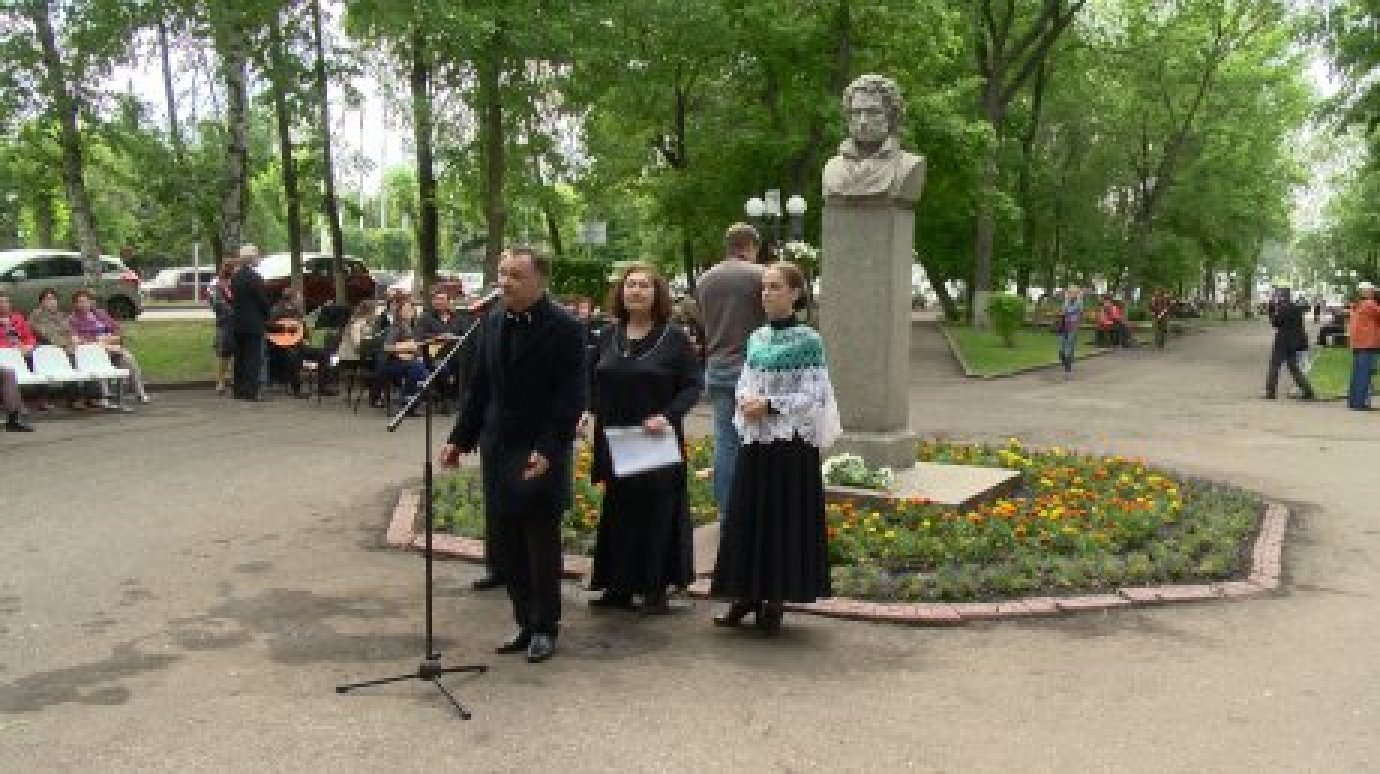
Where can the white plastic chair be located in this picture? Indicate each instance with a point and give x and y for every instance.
(13, 359)
(93, 360)
(51, 363)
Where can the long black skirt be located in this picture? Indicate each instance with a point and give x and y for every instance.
(644, 542)
(774, 545)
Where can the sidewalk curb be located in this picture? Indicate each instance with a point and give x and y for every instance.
(969, 373)
(1264, 577)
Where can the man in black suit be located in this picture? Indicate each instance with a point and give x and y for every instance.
(1290, 341)
(251, 307)
(521, 408)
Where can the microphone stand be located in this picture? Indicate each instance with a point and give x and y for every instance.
(430, 668)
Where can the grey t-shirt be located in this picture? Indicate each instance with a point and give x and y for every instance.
(730, 300)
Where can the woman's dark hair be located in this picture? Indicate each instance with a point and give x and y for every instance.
(795, 279)
(82, 293)
(661, 300)
(44, 293)
(227, 268)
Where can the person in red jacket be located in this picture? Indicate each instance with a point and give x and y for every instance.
(14, 329)
(1364, 335)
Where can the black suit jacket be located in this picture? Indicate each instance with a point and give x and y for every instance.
(530, 401)
(1290, 337)
(249, 301)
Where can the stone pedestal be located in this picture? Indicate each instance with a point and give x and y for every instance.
(865, 320)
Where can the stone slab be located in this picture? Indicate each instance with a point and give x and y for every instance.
(959, 486)
(706, 545)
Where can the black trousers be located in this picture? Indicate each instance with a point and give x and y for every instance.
(249, 358)
(1279, 357)
(529, 558)
(524, 546)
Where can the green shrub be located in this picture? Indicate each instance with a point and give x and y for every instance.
(1007, 312)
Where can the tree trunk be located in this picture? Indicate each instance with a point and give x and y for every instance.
(327, 163)
(938, 283)
(687, 261)
(234, 64)
(428, 218)
(492, 150)
(45, 220)
(73, 174)
(288, 164)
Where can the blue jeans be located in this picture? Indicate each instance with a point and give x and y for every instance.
(1067, 342)
(726, 442)
(1362, 363)
(412, 373)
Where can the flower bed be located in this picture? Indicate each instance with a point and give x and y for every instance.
(1079, 524)
(459, 506)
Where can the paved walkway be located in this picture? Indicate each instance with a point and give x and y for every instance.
(183, 588)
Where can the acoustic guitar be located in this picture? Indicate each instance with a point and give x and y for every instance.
(286, 333)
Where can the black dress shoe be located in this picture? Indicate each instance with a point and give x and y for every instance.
(487, 582)
(17, 425)
(518, 642)
(769, 618)
(654, 604)
(612, 600)
(542, 647)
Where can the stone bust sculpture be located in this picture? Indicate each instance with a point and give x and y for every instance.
(870, 163)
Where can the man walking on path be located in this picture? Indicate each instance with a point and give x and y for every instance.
(1290, 339)
(250, 307)
(730, 300)
(1159, 310)
(1070, 317)
(1364, 335)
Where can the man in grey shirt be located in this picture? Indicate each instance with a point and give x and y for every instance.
(730, 301)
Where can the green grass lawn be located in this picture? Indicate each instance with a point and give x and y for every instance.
(986, 355)
(172, 350)
(1331, 371)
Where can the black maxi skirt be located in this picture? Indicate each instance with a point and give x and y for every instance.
(774, 546)
(644, 540)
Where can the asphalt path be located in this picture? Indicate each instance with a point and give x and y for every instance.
(185, 585)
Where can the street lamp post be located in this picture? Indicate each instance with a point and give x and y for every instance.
(765, 212)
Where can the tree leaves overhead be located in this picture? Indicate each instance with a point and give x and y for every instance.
(1136, 144)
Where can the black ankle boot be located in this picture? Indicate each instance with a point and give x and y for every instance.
(735, 614)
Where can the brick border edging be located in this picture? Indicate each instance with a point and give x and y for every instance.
(968, 372)
(1264, 577)
(402, 533)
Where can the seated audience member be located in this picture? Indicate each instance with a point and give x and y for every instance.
(359, 327)
(92, 325)
(402, 356)
(288, 347)
(53, 326)
(12, 403)
(440, 327)
(15, 332)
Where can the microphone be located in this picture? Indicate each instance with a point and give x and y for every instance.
(487, 299)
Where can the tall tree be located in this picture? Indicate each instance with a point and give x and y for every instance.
(1007, 53)
(428, 222)
(64, 106)
(332, 207)
(279, 77)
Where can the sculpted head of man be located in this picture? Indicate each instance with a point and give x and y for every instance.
(874, 109)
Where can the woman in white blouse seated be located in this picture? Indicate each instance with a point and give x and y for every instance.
(774, 547)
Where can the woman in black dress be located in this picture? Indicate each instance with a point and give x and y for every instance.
(774, 548)
(645, 374)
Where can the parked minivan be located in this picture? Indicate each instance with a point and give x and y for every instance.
(25, 273)
(179, 284)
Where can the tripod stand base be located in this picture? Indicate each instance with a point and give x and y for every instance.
(429, 670)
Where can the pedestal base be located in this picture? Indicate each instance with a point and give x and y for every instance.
(895, 450)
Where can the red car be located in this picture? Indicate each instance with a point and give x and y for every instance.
(318, 286)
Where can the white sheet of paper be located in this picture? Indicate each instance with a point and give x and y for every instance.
(634, 450)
